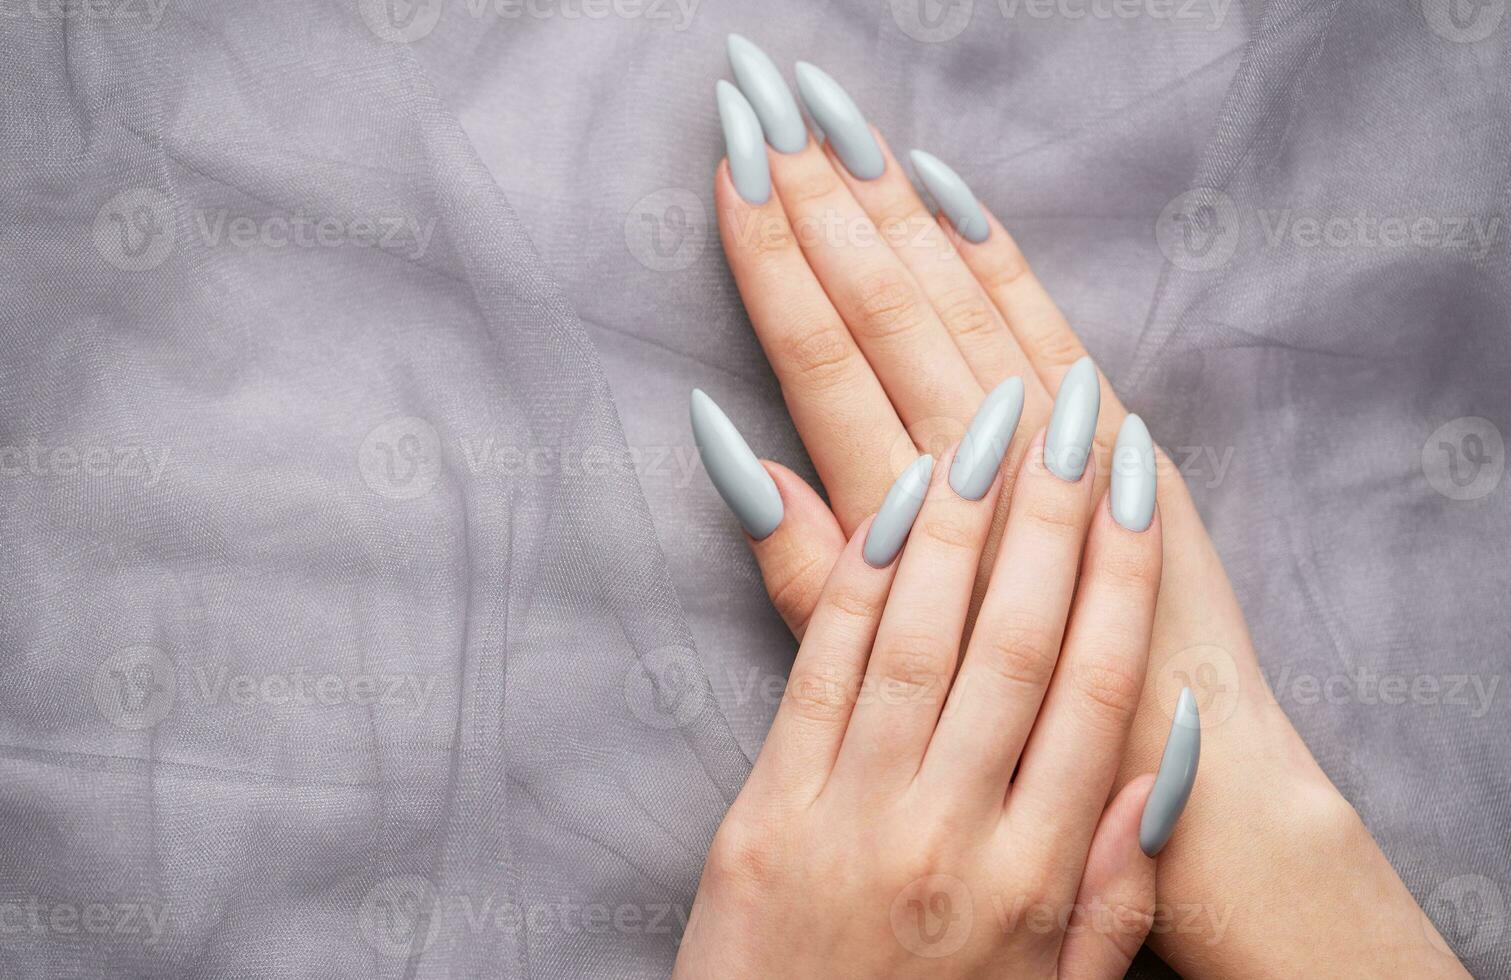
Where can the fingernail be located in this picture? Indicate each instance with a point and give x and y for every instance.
(898, 511)
(841, 122)
(1074, 421)
(1177, 772)
(985, 443)
(762, 84)
(736, 473)
(952, 195)
(1133, 475)
(745, 145)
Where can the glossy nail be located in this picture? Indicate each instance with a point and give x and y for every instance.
(985, 443)
(745, 145)
(1074, 421)
(762, 84)
(840, 121)
(898, 511)
(736, 473)
(952, 195)
(1177, 773)
(1133, 476)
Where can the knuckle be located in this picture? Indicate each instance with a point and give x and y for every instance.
(1023, 654)
(888, 304)
(854, 604)
(796, 589)
(1109, 690)
(819, 694)
(821, 354)
(967, 314)
(948, 533)
(909, 666)
(895, 221)
(1054, 342)
(744, 851)
(813, 185)
(1058, 515)
(1010, 270)
(773, 237)
(1132, 569)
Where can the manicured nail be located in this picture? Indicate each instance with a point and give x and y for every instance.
(736, 473)
(762, 84)
(745, 145)
(985, 443)
(953, 197)
(1177, 772)
(898, 511)
(1133, 475)
(1074, 421)
(840, 121)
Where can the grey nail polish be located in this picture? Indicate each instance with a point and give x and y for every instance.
(762, 84)
(1133, 476)
(985, 443)
(1177, 773)
(952, 195)
(736, 473)
(1074, 422)
(898, 511)
(744, 144)
(840, 121)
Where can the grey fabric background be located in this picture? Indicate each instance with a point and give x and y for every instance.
(365, 610)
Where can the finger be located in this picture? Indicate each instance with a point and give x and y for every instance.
(975, 325)
(1041, 329)
(1067, 769)
(836, 402)
(1016, 640)
(1114, 908)
(800, 749)
(796, 559)
(919, 638)
(881, 302)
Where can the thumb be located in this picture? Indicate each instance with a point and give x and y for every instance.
(795, 537)
(1114, 908)
(796, 558)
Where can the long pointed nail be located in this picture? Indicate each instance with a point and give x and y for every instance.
(1133, 476)
(762, 83)
(736, 473)
(952, 195)
(898, 512)
(1177, 773)
(841, 122)
(985, 443)
(745, 145)
(1074, 421)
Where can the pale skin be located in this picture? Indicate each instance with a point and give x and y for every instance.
(885, 330)
(878, 835)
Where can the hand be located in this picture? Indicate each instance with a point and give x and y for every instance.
(886, 328)
(878, 835)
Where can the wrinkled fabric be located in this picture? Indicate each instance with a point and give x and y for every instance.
(366, 610)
